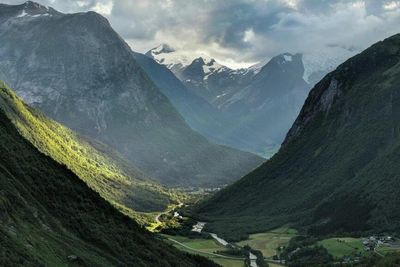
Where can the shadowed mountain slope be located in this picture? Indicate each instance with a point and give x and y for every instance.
(337, 170)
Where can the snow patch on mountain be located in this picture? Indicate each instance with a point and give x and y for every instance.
(172, 59)
(258, 66)
(34, 10)
(211, 66)
(288, 57)
(23, 14)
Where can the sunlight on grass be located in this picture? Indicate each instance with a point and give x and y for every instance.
(342, 246)
(269, 241)
(127, 191)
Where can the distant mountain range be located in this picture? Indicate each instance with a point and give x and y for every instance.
(197, 112)
(255, 106)
(260, 103)
(50, 217)
(337, 171)
(79, 71)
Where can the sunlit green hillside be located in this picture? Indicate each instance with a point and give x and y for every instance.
(50, 217)
(100, 167)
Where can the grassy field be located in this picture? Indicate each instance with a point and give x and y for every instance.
(388, 250)
(269, 241)
(203, 247)
(340, 247)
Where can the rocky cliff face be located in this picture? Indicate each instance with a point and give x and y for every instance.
(79, 71)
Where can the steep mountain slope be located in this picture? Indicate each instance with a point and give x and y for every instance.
(49, 217)
(337, 170)
(269, 104)
(101, 168)
(197, 112)
(81, 73)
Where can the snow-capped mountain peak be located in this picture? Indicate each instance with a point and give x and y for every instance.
(32, 9)
(168, 56)
(287, 57)
(209, 65)
(162, 49)
(178, 61)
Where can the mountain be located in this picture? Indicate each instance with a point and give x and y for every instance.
(269, 104)
(197, 112)
(49, 217)
(166, 55)
(98, 166)
(203, 75)
(337, 170)
(78, 71)
(260, 102)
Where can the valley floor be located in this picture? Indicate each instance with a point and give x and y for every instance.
(213, 247)
(270, 244)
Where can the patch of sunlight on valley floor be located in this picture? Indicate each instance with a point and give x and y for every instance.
(339, 247)
(269, 241)
(203, 247)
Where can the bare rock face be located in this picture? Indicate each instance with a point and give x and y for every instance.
(79, 71)
(322, 100)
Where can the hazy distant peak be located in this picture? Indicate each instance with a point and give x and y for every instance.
(161, 49)
(166, 49)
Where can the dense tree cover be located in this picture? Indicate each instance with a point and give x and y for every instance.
(50, 217)
(302, 251)
(389, 260)
(337, 171)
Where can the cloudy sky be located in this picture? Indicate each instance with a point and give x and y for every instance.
(241, 32)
